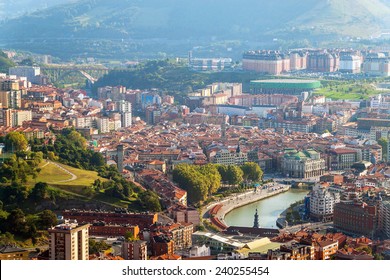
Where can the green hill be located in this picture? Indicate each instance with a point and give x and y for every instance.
(76, 184)
(5, 63)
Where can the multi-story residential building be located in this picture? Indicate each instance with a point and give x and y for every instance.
(161, 245)
(86, 122)
(292, 252)
(350, 63)
(108, 230)
(303, 164)
(143, 220)
(181, 234)
(126, 119)
(167, 155)
(301, 125)
(69, 242)
(322, 202)
(377, 64)
(326, 249)
(298, 60)
(262, 99)
(323, 61)
(227, 157)
(384, 218)
(20, 116)
(356, 218)
(6, 117)
(11, 98)
(270, 62)
(114, 93)
(134, 250)
(30, 72)
(342, 158)
(103, 124)
(152, 115)
(181, 214)
(210, 64)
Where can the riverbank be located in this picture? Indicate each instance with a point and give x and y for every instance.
(221, 208)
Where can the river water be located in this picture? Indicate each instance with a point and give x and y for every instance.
(268, 209)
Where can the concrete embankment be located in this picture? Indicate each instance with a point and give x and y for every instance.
(221, 208)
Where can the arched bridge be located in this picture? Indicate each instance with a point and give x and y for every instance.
(91, 72)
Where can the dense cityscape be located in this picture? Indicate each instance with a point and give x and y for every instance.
(177, 158)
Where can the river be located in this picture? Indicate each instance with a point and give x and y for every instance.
(269, 209)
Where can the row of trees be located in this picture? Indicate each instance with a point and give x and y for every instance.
(18, 194)
(17, 223)
(19, 166)
(201, 182)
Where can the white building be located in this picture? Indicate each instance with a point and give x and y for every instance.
(126, 118)
(86, 122)
(103, 124)
(124, 107)
(350, 64)
(322, 203)
(226, 157)
(20, 116)
(30, 72)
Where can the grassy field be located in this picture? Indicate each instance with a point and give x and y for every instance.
(347, 91)
(79, 187)
(51, 173)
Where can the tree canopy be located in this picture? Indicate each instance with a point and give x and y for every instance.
(252, 171)
(15, 141)
(200, 182)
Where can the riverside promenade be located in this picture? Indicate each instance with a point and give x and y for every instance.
(216, 211)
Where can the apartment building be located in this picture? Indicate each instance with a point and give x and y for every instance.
(69, 242)
(322, 203)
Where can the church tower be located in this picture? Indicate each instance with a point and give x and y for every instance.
(256, 221)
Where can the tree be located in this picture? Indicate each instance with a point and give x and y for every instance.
(15, 141)
(252, 171)
(16, 222)
(234, 175)
(5, 63)
(77, 139)
(40, 191)
(97, 160)
(189, 178)
(27, 62)
(95, 247)
(47, 219)
(150, 201)
(213, 178)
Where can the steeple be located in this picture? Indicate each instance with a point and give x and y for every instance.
(256, 221)
(238, 150)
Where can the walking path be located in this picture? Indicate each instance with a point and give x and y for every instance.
(238, 200)
(73, 176)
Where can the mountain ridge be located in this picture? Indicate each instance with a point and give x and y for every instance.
(252, 20)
